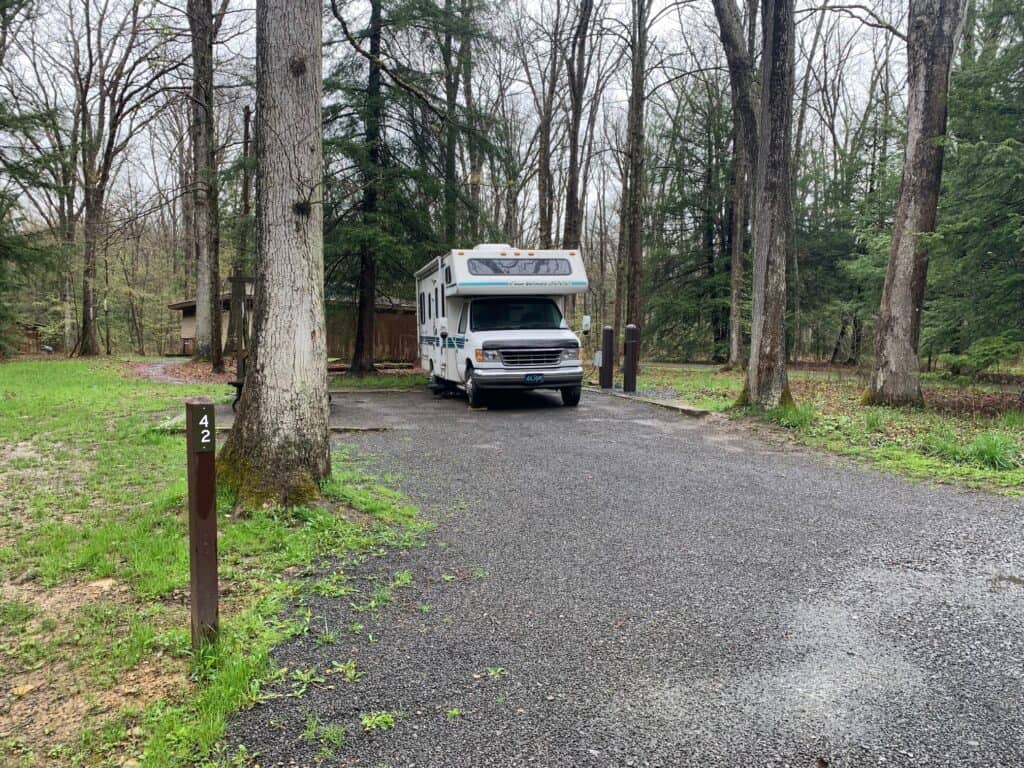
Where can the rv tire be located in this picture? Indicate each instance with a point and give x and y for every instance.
(571, 396)
(473, 393)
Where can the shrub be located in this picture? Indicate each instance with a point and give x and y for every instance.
(873, 421)
(993, 450)
(943, 444)
(1012, 420)
(797, 417)
(983, 354)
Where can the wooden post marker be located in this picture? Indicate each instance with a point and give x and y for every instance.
(607, 356)
(631, 358)
(202, 518)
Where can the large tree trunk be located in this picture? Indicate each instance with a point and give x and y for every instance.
(88, 339)
(451, 128)
(241, 260)
(635, 150)
(576, 72)
(476, 154)
(934, 26)
(737, 235)
(278, 449)
(362, 349)
(767, 386)
(204, 190)
(745, 140)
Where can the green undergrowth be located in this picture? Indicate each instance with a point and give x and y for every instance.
(95, 494)
(396, 380)
(967, 447)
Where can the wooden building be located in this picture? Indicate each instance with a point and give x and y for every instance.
(394, 329)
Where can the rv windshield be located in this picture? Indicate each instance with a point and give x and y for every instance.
(509, 314)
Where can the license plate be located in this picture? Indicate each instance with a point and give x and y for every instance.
(535, 378)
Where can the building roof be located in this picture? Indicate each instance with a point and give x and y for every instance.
(191, 303)
(383, 302)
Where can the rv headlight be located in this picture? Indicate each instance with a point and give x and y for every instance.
(571, 353)
(487, 356)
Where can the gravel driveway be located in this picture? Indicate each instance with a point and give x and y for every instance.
(616, 585)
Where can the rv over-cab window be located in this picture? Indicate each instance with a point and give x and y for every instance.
(519, 267)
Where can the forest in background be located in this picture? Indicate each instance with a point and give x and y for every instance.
(461, 121)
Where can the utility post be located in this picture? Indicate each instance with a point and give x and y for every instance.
(607, 356)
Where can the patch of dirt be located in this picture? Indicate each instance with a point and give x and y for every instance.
(48, 706)
(51, 706)
(61, 601)
(24, 450)
(176, 371)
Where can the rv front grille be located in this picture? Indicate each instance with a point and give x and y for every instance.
(530, 358)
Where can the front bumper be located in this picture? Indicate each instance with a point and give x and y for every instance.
(503, 378)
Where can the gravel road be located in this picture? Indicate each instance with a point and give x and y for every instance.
(616, 585)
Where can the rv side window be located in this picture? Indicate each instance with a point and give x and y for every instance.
(430, 306)
(550, 266)
(437, 304)
(463, 318)
(423, 309)
(447, 275)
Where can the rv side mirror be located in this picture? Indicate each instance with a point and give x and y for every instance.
(442, 327)
(586, 325)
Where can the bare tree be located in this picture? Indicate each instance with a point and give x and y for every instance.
(934, 28)
(278, 449)
(767, 385)
(115, 56)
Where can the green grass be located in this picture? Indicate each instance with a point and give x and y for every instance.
(965, 448)
(400, 380)
(379, 721)
(96, 490)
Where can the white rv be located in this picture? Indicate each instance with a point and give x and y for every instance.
(492, 318)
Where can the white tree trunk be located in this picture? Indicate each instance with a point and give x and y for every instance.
(932, 36)
(278, 449)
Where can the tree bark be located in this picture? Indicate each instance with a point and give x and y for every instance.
(451, 128)
(238, 264)
(767, 385)
(934, 28)
(635, 150)
(476, 155)
(88, 339)
(204, 190)
(278, 449)
(745, 141)
(576, 72)
(362, 348)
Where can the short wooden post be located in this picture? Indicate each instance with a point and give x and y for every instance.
(607, 356)
(631, 358)
(202, 518)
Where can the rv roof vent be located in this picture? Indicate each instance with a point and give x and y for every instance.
(493, 247)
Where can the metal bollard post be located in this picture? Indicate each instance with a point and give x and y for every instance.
(631, 358)
(202, 518)
(607, 356)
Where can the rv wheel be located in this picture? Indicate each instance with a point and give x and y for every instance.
(571, 395)
(473, 393)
